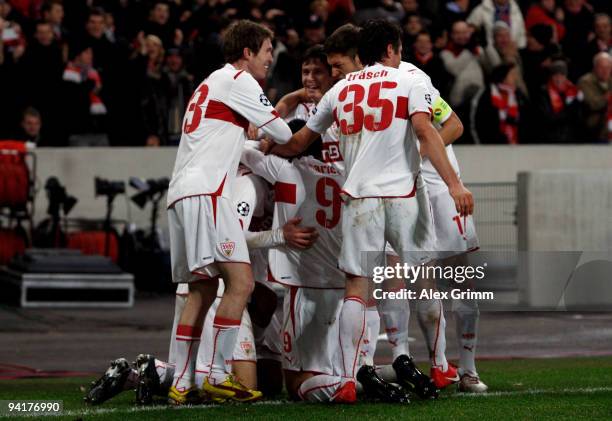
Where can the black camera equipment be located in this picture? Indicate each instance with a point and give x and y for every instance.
(148, 262)
(110, 189)
(49, 232)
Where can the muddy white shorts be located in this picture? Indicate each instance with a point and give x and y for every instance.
(367, 224)
(310, 330)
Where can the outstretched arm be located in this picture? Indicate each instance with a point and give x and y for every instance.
(298, 143)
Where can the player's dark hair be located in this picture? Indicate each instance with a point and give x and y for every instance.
(244, 34)
(316, 53)
(314, 149)
(374, 38)
(343, 41)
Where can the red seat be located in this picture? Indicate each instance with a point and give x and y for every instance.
(14, 174)
(11, 244)
(94, 242)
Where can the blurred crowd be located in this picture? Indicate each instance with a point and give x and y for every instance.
(120, 72)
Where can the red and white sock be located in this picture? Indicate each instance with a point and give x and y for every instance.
(395, 315)
(165, 372)
(225, 333)
(466, 318)
(187, 344)
(370, 338)
(433, 324)
(352, 329)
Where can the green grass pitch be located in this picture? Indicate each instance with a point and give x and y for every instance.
(536, 389)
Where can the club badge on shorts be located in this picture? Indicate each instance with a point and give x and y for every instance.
(228, 247)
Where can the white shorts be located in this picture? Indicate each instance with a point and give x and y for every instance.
(367, 224)
(310, 330)
(454, 234)
(203, 230)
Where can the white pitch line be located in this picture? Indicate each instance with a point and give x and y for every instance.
(136, 409)
(585, 390)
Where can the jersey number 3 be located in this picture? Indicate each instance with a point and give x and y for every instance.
(193, 115)
(360, 120)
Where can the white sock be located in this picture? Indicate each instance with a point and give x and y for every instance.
(352, 329)
(368, 343)
(165, 372)
(225, 333)
(433, 324)
(396, 315)
(466, 318)
(387, 373)
(187, 343)
(319, 388)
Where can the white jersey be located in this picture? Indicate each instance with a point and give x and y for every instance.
(301, 112)
(308, 189)
(441, 112)
(379, 147)
(214, 131)
(248, 200)
(330, 148)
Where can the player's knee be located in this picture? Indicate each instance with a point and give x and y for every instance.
(466, 308)
(429, 310)
(241, 287)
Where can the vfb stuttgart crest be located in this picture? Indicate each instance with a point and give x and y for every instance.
(228, 247)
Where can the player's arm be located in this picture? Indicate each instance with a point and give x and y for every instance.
(248, 100)
(434, 148)
(290, 102)
(298, 143)
(316, 125)
(451, 127)
(267, 167)
(291, 234)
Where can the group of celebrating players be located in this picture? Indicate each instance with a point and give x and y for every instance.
(273, 240)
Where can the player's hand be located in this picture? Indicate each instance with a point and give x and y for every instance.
(464, 201)
(266, 145)
(252, 132)
(298, 237)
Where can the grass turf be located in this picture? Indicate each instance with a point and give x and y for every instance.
(559, 389)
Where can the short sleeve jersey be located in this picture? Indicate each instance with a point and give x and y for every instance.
(441, 112)
(372, 108)
(214, 131)
(308, 189)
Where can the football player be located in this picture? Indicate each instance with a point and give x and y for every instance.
(455, 235)
(206, 239)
